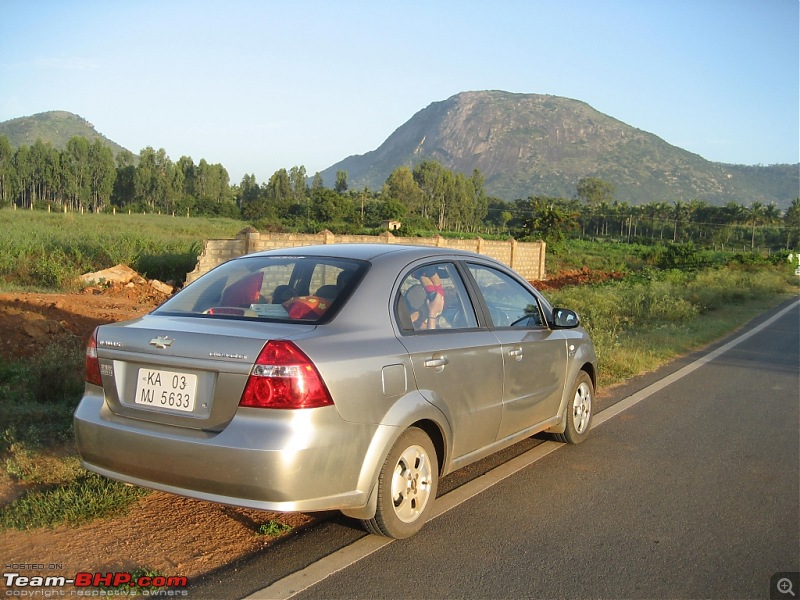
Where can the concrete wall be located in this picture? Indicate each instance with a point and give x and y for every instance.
(526, 258)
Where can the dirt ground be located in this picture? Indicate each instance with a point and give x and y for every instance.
(162, 532)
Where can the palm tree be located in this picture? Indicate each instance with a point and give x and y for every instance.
(755, 216)
(694, 210)
(734, 214)
(680, 213)
(662, 215)
(791, 221)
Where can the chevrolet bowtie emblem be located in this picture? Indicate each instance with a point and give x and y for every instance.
(161, 342)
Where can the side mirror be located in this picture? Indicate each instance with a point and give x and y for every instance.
(565, 318)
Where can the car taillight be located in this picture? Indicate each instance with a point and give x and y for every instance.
(284, 377)
(92, 363)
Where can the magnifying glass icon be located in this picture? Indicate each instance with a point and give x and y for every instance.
(784, 586)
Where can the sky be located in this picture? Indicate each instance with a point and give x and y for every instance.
(260, 85)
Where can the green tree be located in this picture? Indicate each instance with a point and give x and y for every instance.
(549, 219)
(679, 214)
(595, 191)
(6, 170)
(598, 196)
(187, 168)
(328, 207)
(755, 216)
(123, 192)
(175, 196)
(437, 185)
(278, 193)
(211, 182)
(76, 172)
(297, 179)
(101, 174)
(791, 221)
(340, 187)
(401, 187)
(124, 159)
(480, 202)
(45, 167)
(150, 178)
(248, 192)
(392, 210)
(23, 170)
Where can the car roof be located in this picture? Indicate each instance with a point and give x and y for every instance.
(366, 251)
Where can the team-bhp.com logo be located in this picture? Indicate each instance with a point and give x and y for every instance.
(116, 580)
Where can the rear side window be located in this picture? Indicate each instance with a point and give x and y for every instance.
(307, 289)
(433, 297)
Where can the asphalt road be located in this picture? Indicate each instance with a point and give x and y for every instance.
(693, 492)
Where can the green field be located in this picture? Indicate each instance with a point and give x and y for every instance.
(49, 251)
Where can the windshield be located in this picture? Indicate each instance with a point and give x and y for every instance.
(301, 288)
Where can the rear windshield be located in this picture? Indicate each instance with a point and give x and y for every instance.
(302, 288)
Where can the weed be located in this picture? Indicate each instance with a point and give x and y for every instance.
(39, 395)
(87, 497)
(273, 528)
(41, 466)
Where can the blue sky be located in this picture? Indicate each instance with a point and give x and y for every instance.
(262, 85)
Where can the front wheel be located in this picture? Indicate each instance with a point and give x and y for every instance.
(579, 411)
(407, 486)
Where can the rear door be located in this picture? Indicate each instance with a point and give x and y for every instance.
(534, 356)
(458, 366)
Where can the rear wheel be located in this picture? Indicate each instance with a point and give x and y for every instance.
(579, 411)
(407, 486)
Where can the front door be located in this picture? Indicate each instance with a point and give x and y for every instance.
(534, 356)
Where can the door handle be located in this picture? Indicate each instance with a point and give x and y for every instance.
(517, 353)
(437, 362)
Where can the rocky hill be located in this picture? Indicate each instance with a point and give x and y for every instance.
(524, 145)
(530, 144)
(54, 127)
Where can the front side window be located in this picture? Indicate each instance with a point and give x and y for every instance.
(434, 297)
(304, 289)
(510, 304)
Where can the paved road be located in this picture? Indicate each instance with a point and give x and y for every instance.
(693, 492)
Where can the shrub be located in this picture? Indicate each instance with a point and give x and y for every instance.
(645, 317)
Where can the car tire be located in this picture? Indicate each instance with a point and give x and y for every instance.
(579, 411)
(407, 486)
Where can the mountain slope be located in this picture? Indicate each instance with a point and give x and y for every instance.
(530, 144)
(54, 127)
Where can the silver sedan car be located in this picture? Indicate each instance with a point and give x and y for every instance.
(348, 377)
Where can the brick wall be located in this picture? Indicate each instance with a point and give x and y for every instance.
(526, 258)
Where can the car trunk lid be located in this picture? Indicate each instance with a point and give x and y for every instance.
(182, 371)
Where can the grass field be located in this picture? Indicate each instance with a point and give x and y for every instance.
(49, 251)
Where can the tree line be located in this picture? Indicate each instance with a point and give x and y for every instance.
(427, 197)
(594, 212)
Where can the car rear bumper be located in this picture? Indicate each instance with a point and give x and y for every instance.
(295, 460)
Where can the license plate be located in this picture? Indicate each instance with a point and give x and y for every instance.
(166, 389)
